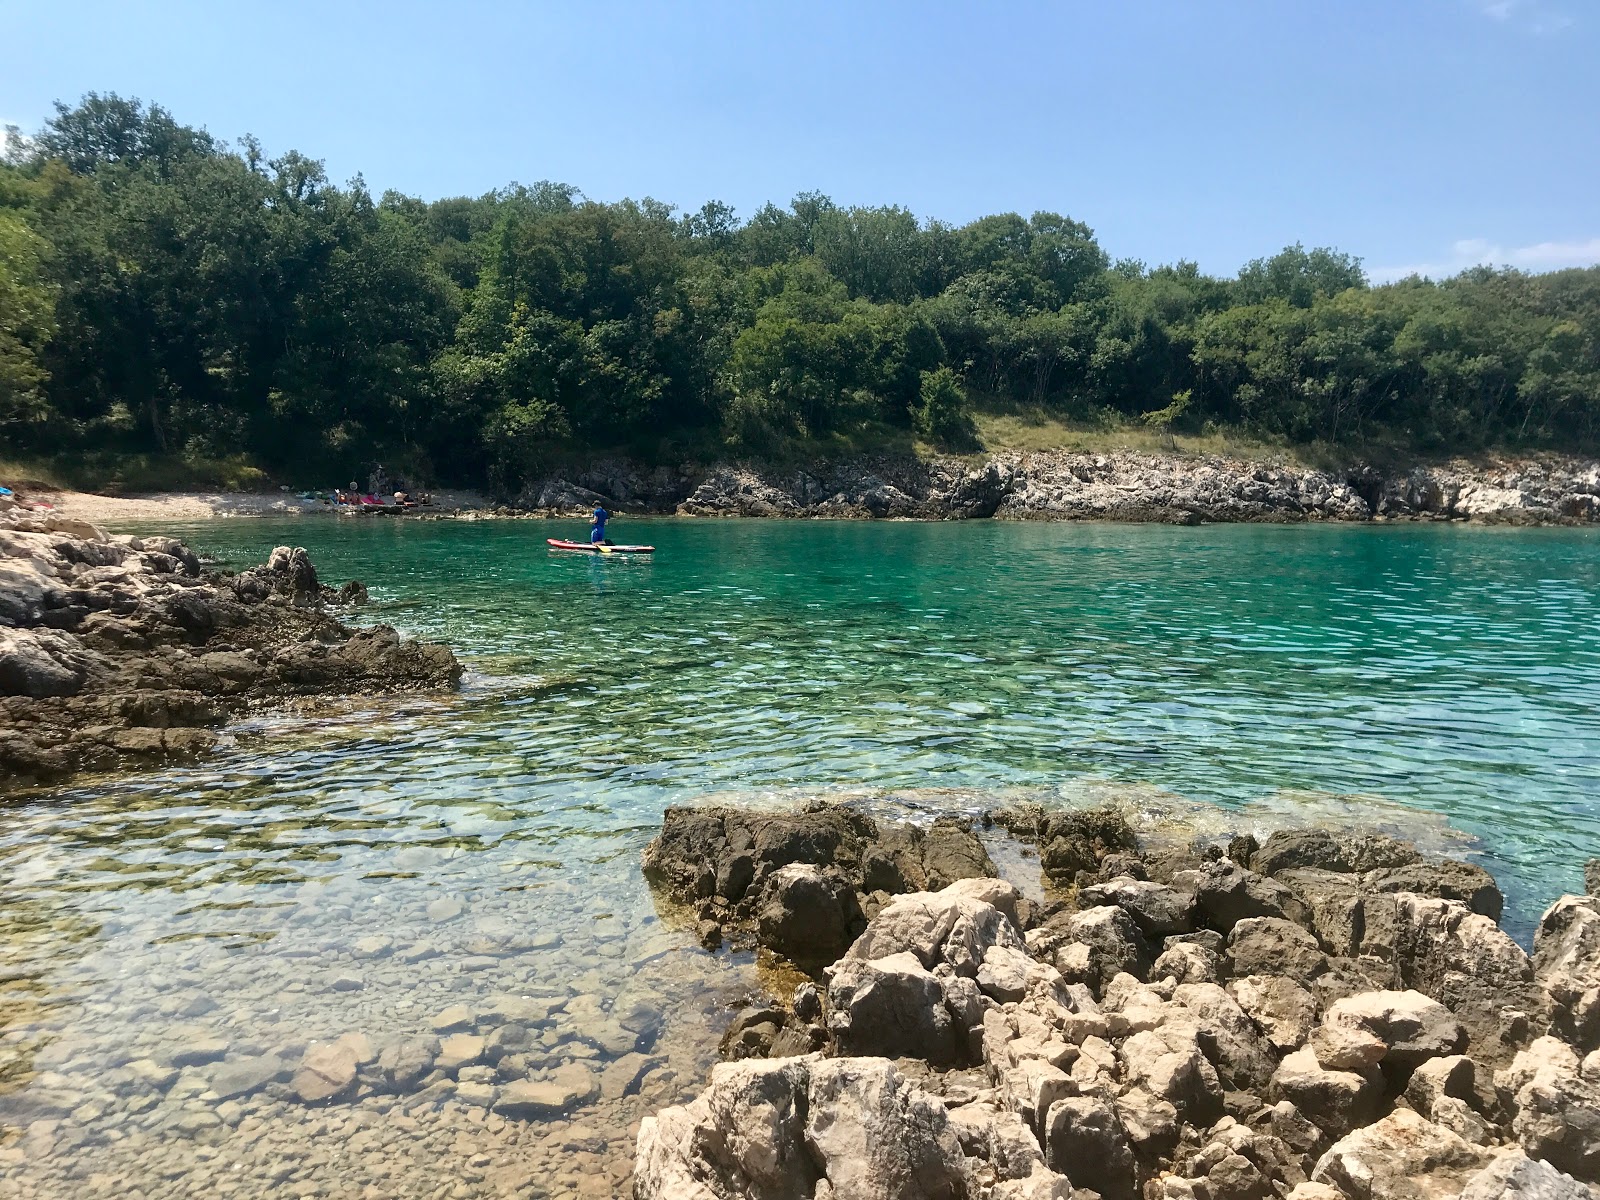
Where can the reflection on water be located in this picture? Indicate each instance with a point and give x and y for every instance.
(361, 867)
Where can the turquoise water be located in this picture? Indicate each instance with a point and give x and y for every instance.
(1445, 669)
(1438, 680)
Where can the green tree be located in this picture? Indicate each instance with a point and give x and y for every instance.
(942, 414)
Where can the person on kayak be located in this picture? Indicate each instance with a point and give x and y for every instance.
(597, 535)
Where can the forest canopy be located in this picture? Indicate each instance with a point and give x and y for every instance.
(164, 292)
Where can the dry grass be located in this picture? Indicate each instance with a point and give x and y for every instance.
(1020, 428)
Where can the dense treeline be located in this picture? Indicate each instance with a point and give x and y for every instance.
(163, 292)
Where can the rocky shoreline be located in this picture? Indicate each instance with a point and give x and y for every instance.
(1320, 1017)
(117, 649)
(1064, 486)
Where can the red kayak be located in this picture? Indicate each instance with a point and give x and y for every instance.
(591, 548)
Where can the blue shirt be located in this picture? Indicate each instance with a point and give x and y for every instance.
(598, 533)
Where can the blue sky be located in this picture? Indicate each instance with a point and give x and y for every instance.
(1421, 134)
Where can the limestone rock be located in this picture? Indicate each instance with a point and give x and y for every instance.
(1084, 1140)
(1555, 1109)
(1274, 946)
(1407, 1027)
(242, 1076)
(806, 914)
(1227, 894)
(1515, 1176)
(1401, 1157)
(1335, 1101)
(1227, 1035)
(459, 1050)
(1448, 880)
(1004, 973)
(794, 1128)
(892, 1006)
(948, 927)
(405, 1061)
(1187, 962)
(1114, 943)
(1157, 909)
(1283, 1010)
(1321, 849)
(1566, 960)
(1461, 959)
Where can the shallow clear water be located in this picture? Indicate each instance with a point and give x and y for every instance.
(1420, 677)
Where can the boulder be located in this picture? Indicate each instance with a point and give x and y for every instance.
(951, 851)
(1084, 1140)
(751, 1034)
(1240, 1163)
(1167, 1062)
(1281, 1009)
(1335, 900)
(1515, 1176)
(407, 1060)
(1157, 909)
(1070, 842)
(1566, 960)
(1447, 880)
(806, 914)
(948, 926)
(1336, 1101)
(1555, 1109)
(327, 1070)
(1004, 974)
(1451, 1076)
(1227, 894)
(242, 1076)
(793, 1128)
(568, 1087)
(730, 864)
(1463, 960)
(894, 1007)
(1319, 848)
(874, 1134)
(1004, 1155)
(1399, 1029)
(1109, 935)
(1401, 1157)
(1187, 962)
(1229, 1038)
(1274, 946)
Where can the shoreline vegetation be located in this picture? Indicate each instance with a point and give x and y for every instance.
(179, 310)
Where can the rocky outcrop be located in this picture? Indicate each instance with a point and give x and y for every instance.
(122, 648)
(1293, 1028)
(801, 883)
(1060, 485)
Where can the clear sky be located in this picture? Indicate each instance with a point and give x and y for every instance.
(1413, 133)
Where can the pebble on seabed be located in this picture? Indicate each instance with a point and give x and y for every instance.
(234, 1082)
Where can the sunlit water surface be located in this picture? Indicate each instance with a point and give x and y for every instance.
(361, 866)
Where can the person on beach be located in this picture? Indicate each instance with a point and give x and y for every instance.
(597, 532)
